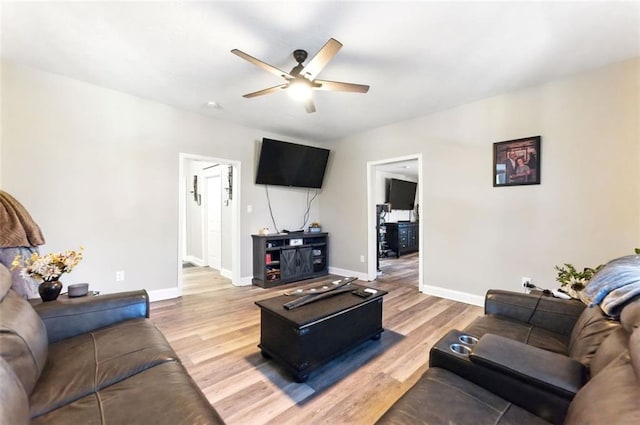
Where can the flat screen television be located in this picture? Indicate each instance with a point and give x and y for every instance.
(401, 194)
(291, 164)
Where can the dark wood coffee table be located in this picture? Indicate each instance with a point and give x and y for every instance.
(307, 337)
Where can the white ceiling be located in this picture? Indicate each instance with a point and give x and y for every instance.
(418, 57)
(408, 168)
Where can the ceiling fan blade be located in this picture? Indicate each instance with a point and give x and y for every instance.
(310, 106)
(322, 58)
(260, 64)
(338, 86)
(264, 91)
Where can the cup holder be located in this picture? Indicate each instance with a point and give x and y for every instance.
(468, 339)
(460, 349)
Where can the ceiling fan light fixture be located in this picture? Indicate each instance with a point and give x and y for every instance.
(299, 90)
(302, 78)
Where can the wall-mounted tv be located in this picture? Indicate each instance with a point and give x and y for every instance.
(401, 194)
(291, 164)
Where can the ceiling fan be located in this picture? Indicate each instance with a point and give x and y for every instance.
(302, 78)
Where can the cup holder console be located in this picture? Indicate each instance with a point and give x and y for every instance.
(463, 347)
(453, 352)
(468, 339)
(460, 349)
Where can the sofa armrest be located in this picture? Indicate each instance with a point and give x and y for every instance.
(553, 314)
(68, 317)
(545, 370)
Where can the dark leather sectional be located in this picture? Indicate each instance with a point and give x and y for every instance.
(96, 361)
(537, 360)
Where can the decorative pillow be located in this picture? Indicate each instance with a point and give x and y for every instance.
(26, 288)
(5, 281)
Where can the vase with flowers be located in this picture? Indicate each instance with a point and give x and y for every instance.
(47, 270)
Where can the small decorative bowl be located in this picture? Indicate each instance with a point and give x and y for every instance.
(78, 290)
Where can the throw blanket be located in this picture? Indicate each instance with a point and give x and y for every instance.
(617, 283)
(17, 228)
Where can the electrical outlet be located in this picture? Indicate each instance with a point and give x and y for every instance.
(120, 276)
(362, 258)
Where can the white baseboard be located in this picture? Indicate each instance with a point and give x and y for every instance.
(163, 294)
(348, 273)
(244, 281)
(451, 294)
(226, 273)
(194, 260)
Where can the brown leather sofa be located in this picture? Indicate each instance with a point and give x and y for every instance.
(537, 360)
(93, 360)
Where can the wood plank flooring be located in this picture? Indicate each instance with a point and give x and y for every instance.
(215, 329)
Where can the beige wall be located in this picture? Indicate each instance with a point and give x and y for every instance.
(99, 168)
(476, 237)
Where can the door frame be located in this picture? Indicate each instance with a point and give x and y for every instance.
(207, 175)
(372, 272)
(235, 214)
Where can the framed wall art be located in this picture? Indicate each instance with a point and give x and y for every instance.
(516, 162)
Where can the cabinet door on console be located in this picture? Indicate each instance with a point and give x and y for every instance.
(305, 260)
(288, 263)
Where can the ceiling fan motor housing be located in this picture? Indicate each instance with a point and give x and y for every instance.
(300, 55)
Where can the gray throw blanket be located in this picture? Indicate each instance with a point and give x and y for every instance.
(617, 283)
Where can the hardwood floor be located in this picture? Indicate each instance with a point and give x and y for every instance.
(403, 270)
(215, 329)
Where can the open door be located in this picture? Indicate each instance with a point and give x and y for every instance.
(213, 218)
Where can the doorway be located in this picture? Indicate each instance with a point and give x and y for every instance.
(406, 168)
(209, 213)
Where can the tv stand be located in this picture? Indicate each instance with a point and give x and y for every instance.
(284, 258)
